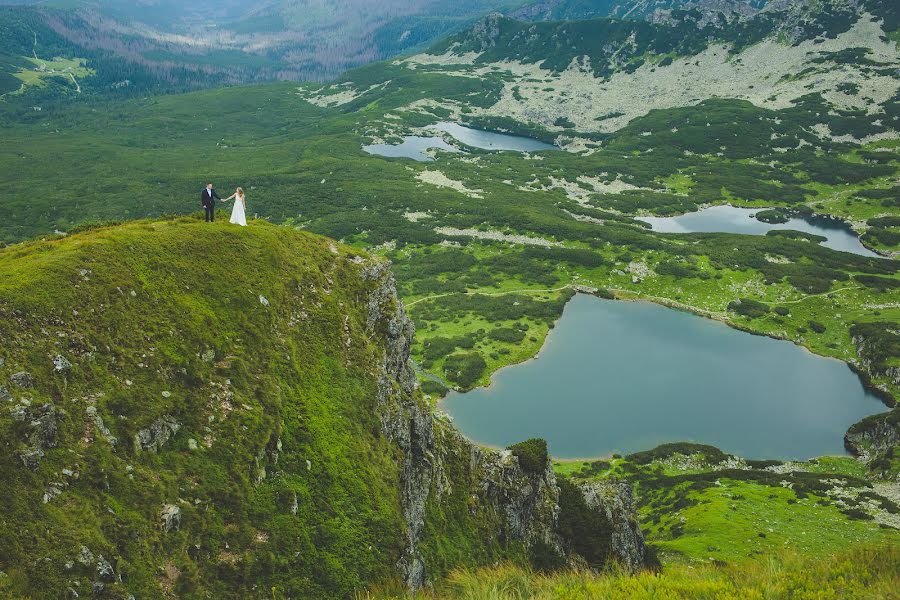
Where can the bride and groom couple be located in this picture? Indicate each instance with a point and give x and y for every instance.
(209, 196)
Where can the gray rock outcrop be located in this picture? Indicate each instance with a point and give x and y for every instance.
(23, 379)
(42, 429)
(61, 364)
(171, 517)
(616, 500)
(97, 420)
(153, 438)
(874, 440)
(486, 32)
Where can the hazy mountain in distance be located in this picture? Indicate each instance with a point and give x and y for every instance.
(233, 41)
(570, 10)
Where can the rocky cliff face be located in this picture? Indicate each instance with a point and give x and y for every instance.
(875, 441)
(520, 508)
(615, 500)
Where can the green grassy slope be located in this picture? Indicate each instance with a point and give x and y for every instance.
(194, 410)
(699, 505)
(862, 573)
(276, 467)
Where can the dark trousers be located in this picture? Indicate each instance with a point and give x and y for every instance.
(210, 213)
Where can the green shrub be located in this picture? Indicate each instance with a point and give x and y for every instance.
(711, 454)
(439, 347)
(796, 235)
(433, 388)
(749, 307)
(532, 455)
(816, 326)
(544, 557)
(879, 284)
(773, 216)
(92, 225)
(510, 335)
(464, 369)
(587, 530)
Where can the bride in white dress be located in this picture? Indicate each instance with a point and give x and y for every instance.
(238, 213)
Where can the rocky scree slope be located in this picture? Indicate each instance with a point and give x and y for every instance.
(206, 411)
(599, 75)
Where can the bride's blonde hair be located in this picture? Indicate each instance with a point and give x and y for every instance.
(240, 192)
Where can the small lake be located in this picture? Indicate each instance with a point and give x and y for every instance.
(413, 146)
(617, 376)
(489, 140)
(732, 219)
(416, 147)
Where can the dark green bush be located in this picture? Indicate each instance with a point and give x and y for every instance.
(532, 455)
(433, 388)
(510, 335)
(796, 235)
(439, 347)
(464, 369)
(773, 215)
(588, 531)
(880, 343)
(816, 326)
(544, 557)
(749, 307)
(91, 225)
(711, 454)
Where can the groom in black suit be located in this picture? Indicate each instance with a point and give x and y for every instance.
(208, 198)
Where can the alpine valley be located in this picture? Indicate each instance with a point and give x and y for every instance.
(305, 407)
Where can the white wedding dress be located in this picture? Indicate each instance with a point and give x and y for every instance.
(237, 213)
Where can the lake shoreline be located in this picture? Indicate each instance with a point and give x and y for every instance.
(632, 296)
(886, 397)
(793, 212)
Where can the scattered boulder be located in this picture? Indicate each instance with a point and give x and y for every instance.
(23, 379)
(61, 364)
(105, 570)
(263, 300)
(5, 396)
(171, 517)
(85, 556)
(31, 457)
(42, 425)
(101, 426)
(153, 438)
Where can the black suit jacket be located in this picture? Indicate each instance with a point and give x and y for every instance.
(208, 200)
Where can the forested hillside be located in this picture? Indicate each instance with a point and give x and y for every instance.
(164, 47)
